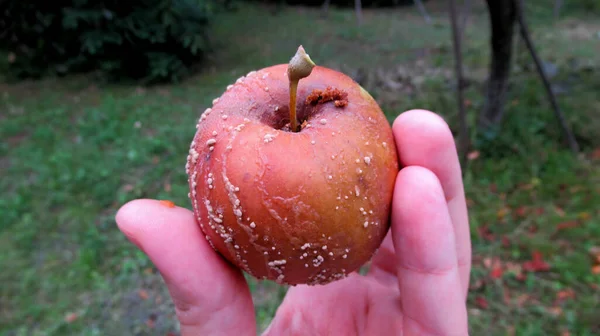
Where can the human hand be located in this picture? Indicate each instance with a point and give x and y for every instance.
(416, 285)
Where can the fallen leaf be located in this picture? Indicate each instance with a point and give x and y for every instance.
(565, 333)
(555, 311)
(536, 264)
(596, 154)
(513, 267)
(584, 216)
(473, 155)
(521, 211)
(497, 272)
(559, 211)
(487, 262)
(532, 228)
(565, 294)
(481, 302)
(596, 269)
(485, 233)
(522, 300)
(502, 212)
(566, 225)
(476, 285)
(143, 294)
(71, 317)
(595, 253)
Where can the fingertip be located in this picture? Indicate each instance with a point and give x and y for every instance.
(424, 130)
(420, 220)
(134, 218)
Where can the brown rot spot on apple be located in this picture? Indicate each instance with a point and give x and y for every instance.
(317, 96)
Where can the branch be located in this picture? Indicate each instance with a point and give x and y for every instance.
(466, 11)
(464, 144)
(325, 8)
(557, 7)
(422, 10)
(538, 64)
(358, 9)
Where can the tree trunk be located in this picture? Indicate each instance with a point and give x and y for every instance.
(464, 138)
(502, 19)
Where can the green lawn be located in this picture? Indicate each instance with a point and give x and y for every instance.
(73, 151)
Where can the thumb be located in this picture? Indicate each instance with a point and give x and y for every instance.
(211, 297)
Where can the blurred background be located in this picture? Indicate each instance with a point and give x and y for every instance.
(98, 99)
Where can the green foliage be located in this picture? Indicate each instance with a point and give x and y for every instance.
(342, 3)
(149, 40)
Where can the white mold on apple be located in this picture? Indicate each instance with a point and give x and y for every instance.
(291, 173)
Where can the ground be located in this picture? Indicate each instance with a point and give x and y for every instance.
(74, 151)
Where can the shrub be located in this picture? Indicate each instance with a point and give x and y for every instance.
(148, 40)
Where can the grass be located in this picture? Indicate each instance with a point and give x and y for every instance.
(73, 151)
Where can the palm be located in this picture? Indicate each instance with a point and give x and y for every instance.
(372, 309)
(416, 284)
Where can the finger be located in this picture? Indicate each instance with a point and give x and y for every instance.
(207, 292)
(424, 139)
(383, 264)
(428, 276)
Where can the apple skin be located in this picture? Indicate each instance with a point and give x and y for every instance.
(305, 207)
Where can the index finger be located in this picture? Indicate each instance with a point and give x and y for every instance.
(424, 139)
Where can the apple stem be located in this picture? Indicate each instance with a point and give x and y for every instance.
(300, 66)
(293, 119)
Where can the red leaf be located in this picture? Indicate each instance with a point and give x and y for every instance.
(71, 317)
(505, 241)
(521, 211)
(481, 302)
(567, 225)
(485, 233)
(537, 264)
(496, 272)
(565, 294)
(143, 294)
(533, 228)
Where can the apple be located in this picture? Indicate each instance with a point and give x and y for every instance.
(291, 173)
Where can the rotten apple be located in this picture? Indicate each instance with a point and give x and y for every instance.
(291, 173)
